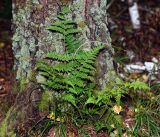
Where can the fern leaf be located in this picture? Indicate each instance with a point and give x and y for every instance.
(61, 17)
(45, 74)
(87, 71)
(138, 85)
(73, 91)
(76, 90)
(68, 22)
(91, 100)
(58, 24)
(57, 29)
(88, 66)
(70, 98)
(72, 31)
(54, 85)
(65, 10)
(81, 75)
(77, 81)
(69, 26)
(44, 67)
(60, 57)
(65, 67)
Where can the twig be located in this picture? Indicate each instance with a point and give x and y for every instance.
(89, 42)
(110, 4)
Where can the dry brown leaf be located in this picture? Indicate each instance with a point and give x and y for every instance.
(71, 134)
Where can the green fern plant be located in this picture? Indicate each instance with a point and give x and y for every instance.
(67, 28)
(72, 85)
(74, 74)
(72, 78)
(72, 81)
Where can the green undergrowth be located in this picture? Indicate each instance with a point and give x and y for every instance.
(4, 132)
(70, 93)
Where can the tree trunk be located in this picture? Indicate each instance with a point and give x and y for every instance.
(31, 40)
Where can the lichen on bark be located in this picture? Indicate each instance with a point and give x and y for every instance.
(31, 40)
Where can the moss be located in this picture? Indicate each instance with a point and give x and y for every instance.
(22, 84)
(4, 132)
(20, 45)
(35, 2)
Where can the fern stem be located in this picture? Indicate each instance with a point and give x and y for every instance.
(89, 43)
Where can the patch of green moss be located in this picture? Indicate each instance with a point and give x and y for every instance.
(4, 132)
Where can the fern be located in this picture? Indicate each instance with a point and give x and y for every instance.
(70, 78)
(60, 57)
(137, 85)
(73, 74)
(70, 98)
(67, 28)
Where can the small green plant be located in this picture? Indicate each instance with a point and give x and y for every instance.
(146, 114)
(146, 117)
(145, 124)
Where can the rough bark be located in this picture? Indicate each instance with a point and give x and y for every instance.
(31, 41)
(22, 115)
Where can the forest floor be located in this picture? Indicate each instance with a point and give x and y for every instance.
(6, 65)
(136, 48)
(140, 41)
(144, 44)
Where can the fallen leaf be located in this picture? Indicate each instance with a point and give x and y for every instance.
(117, 109)
(2, 45)
(71, 134)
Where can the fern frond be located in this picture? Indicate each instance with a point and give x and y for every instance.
(70, 98)
(88, 66)
(44, 67)
(57, 29)
(72, 75)
(81, 75)
(138, 85)
(65, 10)
(65, 23)
(85, 70)
(60, 57)
(72, 31)
(76, 90)
(91, 55)
(61, 17)
(68, 67)
(77, 81)
(54, 85)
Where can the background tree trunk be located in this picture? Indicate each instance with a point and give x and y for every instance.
(31, 41)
